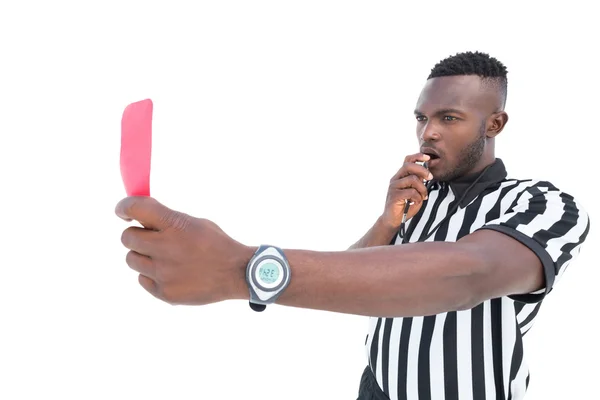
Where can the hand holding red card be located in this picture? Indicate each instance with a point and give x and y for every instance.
(136, 147)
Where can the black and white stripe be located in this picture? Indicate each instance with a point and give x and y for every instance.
(478, 353)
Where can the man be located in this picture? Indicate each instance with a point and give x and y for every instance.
(451, 300)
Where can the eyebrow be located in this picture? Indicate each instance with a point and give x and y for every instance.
(443, 111)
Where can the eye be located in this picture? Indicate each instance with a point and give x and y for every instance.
(449, 118)
(421, 118)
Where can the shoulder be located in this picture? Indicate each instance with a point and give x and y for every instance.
(542, 198)
(534, 186)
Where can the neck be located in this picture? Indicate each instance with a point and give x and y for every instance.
(471, 174)
(487, 158)
(468, 186)
(485, 161)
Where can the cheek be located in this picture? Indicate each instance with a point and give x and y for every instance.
(456, 140)
(420, 128)
(460, 135)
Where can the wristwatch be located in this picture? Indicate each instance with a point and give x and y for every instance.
(267, 274)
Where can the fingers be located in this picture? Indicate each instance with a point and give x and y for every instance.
(146, 268)
(411, 181)
(141, 263)
(411, 168)
(411, 196)
(149, 285)
(140, 240)
(414, 194)
(413, 158)
(146, 210)
(415, 169)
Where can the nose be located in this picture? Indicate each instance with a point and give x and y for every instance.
(429, 133)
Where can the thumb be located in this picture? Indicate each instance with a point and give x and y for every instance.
(146, 210)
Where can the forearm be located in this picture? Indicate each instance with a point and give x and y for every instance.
(388, 281)
(380, 234)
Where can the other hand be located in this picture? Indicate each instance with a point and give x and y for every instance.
(406, 186)
(181, 259)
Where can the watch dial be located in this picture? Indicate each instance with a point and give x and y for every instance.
(268, 272)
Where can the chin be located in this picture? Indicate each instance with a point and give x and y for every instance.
(443, 174)
(442, 177)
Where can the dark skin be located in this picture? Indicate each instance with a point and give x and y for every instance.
(185, 260)
(459, 118)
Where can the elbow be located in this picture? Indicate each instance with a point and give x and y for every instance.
(468, 294)
(469, 297)
(468, 302)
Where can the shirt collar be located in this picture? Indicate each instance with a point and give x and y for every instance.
(493, 174)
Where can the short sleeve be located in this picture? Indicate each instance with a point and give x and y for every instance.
(549, 222)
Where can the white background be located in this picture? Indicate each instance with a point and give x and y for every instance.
(315, 97)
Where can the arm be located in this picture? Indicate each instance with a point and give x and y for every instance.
(520, 254)
(406, 185)
(380, 234)
(412, 279)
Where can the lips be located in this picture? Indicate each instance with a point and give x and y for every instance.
(431, 164)
(434, 157)
(432, 153)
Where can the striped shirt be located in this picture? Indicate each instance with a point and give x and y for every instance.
(477, 353)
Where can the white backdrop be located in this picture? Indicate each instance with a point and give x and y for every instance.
(314, 96)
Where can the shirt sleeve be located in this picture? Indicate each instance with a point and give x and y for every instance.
(549, 222)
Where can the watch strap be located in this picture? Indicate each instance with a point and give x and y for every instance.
(257, 307)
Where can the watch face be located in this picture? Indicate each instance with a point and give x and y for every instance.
(269, 273)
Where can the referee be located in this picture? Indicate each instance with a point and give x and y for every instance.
(474, 351)
(474, 253)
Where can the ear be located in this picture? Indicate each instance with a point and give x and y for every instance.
(496, 123)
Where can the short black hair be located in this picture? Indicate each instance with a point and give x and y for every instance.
(488, 68)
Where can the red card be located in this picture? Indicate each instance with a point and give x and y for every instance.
(136, 147)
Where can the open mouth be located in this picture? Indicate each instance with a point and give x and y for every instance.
(432, 156)
(434, 159)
